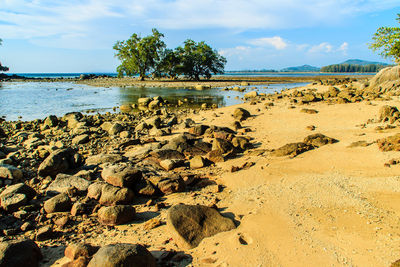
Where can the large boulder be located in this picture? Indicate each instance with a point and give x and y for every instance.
(116, 215)
(112, 195)
(318, 140)
(127, 255)
(389, 114)
(121, 175)
(240, 114)
(19, 188)
(190, 224)
(390, 143)
(12, 202)
(64, 181)
(59, 161)
(10, 172)
(386, 80)
(18, 253)
(58, 203)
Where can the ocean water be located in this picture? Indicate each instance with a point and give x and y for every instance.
(37, 100)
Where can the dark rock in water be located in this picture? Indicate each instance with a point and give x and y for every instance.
(64, 181)
(116, 215)
(58, 203)
(19, 253)
(128, 255)
(121, 175)
(318, 140)
(240, 114)
(189, 224)
(58, 161)
(391, 143)
(112, 195)
(292, 149)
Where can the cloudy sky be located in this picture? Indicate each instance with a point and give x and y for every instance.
(77, 36)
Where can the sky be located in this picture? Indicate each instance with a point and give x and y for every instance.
(42, 36)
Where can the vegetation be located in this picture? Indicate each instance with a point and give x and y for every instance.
(353, 68)
(139, 55)
(3, 68)
(149, 55)
(386, 41)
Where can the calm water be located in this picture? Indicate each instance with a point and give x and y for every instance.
(37, 100)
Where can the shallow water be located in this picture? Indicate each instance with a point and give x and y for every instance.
(37, 100)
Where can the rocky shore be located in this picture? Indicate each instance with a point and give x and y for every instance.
(302, 177)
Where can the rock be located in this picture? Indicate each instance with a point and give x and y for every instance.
(19, 188)
(146, 188)
(154, 122)
(388, 113)
(125, 108)
(309, 111)
(144, 101)
(58, 203)
(190, 224)
(129, 255)
(215, 156)
(251, 94)
(121, 175)
(151, 224)
(94, 190)
(10, 172)
(169, 185)
(167, 154)
(170, 164)
(318, 140)
(103, 158)
(64, 181)
(391, 143)
(222, 145)
(116, 215)
(11, 202)
(197, 162)
(76, 250)
(80, 139)
(198, 130)
(51, 121)
(115, 129)
(111, 195)
(292, 149)
(241, 143)
(59, 161)
(19, 253)
(44, 233)
(78, 209)
(240, 114)
(386, 80)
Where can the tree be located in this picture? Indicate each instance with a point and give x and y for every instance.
(199, 59)
(386, 40)
(170, 64)
(3, 68)
(139, 55)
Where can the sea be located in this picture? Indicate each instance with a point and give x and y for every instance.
(36, 100)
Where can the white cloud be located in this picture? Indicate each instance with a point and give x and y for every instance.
(275, 41)
(343, 48)
(321, 48)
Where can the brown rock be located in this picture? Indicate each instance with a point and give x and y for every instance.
(76, 250)
(111, 195)
(18, 253)
(116, 215)
(121, 175)
(58, 203)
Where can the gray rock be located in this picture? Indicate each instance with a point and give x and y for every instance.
(58, 203)
(64, 181)
(59, 161)
(112, 195)
(19, 188)
(121, 175)
(116, 215)
(10, 172)
(18, 253)
(189, 225)
(127, 255)
(103, 158)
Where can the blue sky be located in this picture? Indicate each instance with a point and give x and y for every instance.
(77, 36)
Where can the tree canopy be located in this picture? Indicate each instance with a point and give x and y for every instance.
(199, 59)
(3, 68)
(139, 55)
(353, 68)
(150, 55)
(386, 41)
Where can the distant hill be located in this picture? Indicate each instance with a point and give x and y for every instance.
(304, 68)
(363, 62)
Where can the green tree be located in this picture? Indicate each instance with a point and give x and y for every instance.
(386, 41)
(139, 55)
(3, 68)
(199, 59)
(170, 64)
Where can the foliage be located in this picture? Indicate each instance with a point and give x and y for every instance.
(139, 55)
(3, 68)
(199, 59)
(386, 41)
(353, 68)
(170, 64)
